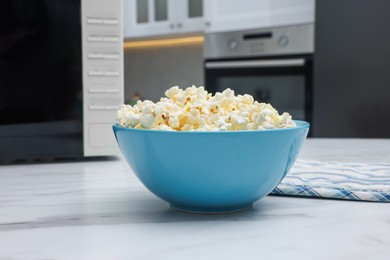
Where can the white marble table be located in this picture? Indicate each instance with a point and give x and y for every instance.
(99, 210)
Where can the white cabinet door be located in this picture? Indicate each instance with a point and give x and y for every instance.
(146, 18)
(190, 16)
(157, 18)
(230, 15)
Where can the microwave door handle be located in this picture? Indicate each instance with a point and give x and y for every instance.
(255, 64)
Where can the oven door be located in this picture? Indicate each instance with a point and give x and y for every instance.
(285, 83)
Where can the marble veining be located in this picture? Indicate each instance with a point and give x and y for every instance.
(99, 210)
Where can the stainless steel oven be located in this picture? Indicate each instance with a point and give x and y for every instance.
(61, 78)
(274, 65)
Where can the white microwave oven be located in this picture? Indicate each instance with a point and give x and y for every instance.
(61, 78)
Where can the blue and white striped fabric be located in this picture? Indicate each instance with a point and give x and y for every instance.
(349, 181)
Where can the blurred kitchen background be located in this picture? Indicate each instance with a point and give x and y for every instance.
(165, 39)
(63, 78)
(334, 56)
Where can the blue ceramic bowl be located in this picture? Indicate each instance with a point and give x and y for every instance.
(211, 172)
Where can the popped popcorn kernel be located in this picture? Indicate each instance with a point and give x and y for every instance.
(194, 109)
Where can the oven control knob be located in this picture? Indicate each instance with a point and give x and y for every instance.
(232, 45)
(283, 41)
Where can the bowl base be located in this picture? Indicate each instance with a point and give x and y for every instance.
(211, 211)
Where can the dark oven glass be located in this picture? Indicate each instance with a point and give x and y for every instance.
(284, 84)
(40, 79)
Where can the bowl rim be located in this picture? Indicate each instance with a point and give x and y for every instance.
(300, 125)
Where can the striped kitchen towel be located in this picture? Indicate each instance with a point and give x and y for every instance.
(338, 180)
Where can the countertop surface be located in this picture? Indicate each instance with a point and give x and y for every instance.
(99, 210)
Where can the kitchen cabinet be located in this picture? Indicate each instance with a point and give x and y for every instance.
(161, 18)
(156, 18)
(230, 15)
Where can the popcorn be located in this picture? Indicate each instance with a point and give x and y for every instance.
(194, 109)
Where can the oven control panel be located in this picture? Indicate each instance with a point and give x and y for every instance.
(286, 40)
(103, 85)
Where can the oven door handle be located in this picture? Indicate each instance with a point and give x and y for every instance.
(255, 64)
